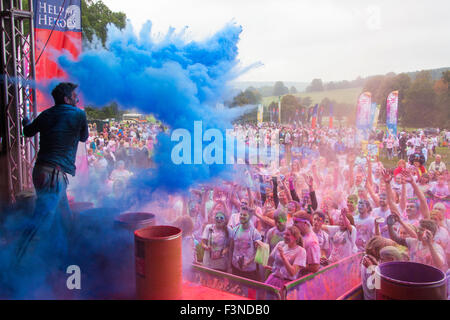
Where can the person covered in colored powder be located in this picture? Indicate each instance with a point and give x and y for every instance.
(61, 128)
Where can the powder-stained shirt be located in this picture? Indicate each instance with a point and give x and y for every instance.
(274, 236)
(343, 242)
(418, 252)
(244, 246)
(217, 240)
(312, 247)
(296, 256)
(365, 228)
(324, 242)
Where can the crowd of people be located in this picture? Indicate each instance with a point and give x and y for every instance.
(327, 198)
(115, 153)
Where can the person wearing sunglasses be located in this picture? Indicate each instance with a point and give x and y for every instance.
(215, 242)
(243, 246)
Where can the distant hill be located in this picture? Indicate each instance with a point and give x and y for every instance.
(349, 95)
(435, 73)
(242, 85)
(266, 87)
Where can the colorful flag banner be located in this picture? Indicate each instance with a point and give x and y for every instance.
(391, 112)
(314, 116)
(260, 113)
(363, 111)
(57, 25)
(279, 109)
(373, 108)
(330, 124)
(375, 117)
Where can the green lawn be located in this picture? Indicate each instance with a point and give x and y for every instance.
(340, 95)
(443, 151)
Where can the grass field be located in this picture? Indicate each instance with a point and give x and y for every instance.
(339, 95)
(443, 151)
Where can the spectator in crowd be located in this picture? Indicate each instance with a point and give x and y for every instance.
(215, 242)
(288, 258)
(302, 220)
(243, 247)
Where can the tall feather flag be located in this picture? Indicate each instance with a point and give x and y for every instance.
(331, 117)
(314, 116)
(391, 112)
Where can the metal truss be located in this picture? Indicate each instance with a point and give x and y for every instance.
(18, 95)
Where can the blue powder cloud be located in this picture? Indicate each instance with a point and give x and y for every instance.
(177, 80)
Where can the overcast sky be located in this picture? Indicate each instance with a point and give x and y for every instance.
(298, 40)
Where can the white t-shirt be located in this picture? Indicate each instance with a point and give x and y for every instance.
(312, 247)
(440, 190)
(296, 256)
(343, 242)
(217, 240)
(418, 252)
(244, 246)
(274, 236)
(324, 242)
(442, 237)
(365, 230)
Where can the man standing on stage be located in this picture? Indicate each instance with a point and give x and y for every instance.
(61, 127)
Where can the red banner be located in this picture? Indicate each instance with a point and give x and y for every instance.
(57, 26)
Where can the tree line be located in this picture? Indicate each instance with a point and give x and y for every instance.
(423, 102)
(423, 95)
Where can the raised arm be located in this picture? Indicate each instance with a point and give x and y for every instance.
(437, 259)
(369, 171)
(387, 177)
(275, 191)
(347, 223)
(84, 130)
(316, 174)
(372, 194)
(30, 128)
(399, 219)
(250, 198)
(292, 269)
(351, 164)
(403, 196)
(423, 201)
(265, 219)
(286, 190)
(395, 237)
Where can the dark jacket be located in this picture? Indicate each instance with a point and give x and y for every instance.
(61, 127)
